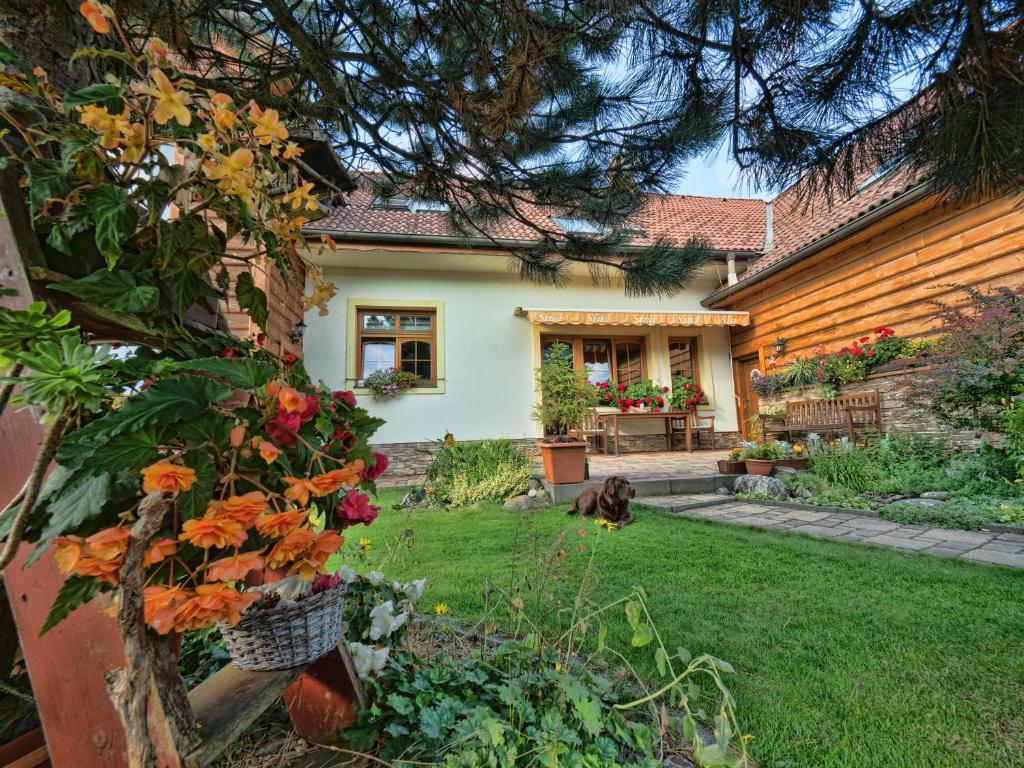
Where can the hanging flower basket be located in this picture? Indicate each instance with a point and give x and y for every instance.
(287, 635)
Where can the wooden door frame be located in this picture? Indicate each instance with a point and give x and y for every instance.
(742, 385)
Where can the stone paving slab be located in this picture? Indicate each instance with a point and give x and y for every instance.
(978, 546)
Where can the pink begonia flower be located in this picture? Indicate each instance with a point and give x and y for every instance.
(380, 464)
(345, 396)
(356, 508)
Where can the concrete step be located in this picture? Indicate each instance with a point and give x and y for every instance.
(680, 485)
(685, 502)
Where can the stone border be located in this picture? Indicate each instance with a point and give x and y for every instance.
(1003, 528)
(825, 509)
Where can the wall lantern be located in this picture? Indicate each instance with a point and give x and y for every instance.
(298, 331)
(780, 345)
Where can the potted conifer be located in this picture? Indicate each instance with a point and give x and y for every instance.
(565, 400)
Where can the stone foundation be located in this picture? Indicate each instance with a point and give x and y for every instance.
(409, 460)
(898, 412)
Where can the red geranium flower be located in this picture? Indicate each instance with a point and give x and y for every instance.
(289, 358)
(622, 387)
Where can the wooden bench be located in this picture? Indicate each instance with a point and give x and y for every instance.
(845, 413)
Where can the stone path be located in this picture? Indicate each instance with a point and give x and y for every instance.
(998, 548)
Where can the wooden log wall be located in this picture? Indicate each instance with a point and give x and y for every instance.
(891, 273)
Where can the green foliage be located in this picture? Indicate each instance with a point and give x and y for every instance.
(75, 591)
(802, 372)
(770, 451)
(565, 395)
(202, 654)
(963, 514)
(115, 218)
(104, 94)
(252, 299)
(117, 289)
(246, 372)
(824, 494)
(18, 327)
(63, 373)
(846, 465)
(468, 472)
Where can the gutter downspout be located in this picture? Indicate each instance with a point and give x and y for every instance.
(730, 265)
(910, 196)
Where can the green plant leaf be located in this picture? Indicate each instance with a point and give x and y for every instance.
(588, 710)
(252, 299)
(104, 94)
(633, 613)
(683, 655)
(193, 502)
(661, 660)
(128, 451)
(166, 402)
(115, 289)
(46, 181)
(76, 503)
(401, 704)
(642, 635)
(115, 218)
(241, 372)
(76, 591)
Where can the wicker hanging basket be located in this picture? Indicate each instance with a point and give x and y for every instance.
(287, 636)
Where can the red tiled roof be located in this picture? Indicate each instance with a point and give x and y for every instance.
(727, 223)
(800, 221)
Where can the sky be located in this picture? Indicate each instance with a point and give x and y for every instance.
(715, 175)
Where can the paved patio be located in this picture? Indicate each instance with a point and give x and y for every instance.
(980, 546)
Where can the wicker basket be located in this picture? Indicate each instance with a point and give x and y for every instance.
(288, 636)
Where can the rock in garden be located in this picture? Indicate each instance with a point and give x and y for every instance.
(522, 503)
(542, 498)
(723, 491)
(532, 493)
(535, 484)
(413, 499)
(784, 473)
(762, 485)
(939, 495)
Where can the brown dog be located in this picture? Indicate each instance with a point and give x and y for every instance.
(610, 502)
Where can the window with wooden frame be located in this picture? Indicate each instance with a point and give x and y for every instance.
(399, 338)
(682, 358)
(618, 359)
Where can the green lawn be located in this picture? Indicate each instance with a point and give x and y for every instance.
(845, 655)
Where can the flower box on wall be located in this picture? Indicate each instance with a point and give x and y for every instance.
(727, 467)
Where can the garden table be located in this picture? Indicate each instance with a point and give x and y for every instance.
(666, 416)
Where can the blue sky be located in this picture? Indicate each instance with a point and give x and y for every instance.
(715, 175)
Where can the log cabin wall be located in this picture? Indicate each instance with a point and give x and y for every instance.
(891, 273)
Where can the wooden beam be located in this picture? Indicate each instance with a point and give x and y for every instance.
(226, 703)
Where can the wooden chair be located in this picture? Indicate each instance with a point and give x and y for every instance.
(595, 429)
(697, 426)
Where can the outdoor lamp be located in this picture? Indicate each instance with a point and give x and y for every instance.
(780, 345)
(298, 331)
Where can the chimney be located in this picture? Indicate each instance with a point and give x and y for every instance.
(769, 226)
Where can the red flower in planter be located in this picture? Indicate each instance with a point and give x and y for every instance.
(871, 353)
(283, 427)
(865, 339)
(380, 463)
(622, 387)
(666, 389)
(356, 508)
(289, 358)
(346, 396)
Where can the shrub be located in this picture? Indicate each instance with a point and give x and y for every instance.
(964, 513)
(844, 464)
(802, 372)
(928, 451)
(477, 470)
(979, 364)
(565, 394)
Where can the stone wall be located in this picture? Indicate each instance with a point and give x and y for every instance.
(898, 413)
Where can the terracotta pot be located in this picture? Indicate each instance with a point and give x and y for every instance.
(793, 463)
(759, 466)
(727, 467)
(564, 462)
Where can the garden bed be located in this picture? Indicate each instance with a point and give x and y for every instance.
(828, 509)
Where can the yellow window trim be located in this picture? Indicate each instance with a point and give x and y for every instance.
(352, 330)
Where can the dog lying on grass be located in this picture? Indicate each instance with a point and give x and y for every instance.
(609, 502)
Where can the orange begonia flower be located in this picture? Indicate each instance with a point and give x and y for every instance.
(93, 13)
(325, 545)
(166, 477)
(212, 603)
(291, 400)
(278, 525)
(171, 104)
(269, 452)
(329, 482)
(267, 125)
(160, 603)
(237, 436)
(212, 530)
(108, 543)
(101, 561)
(292, 547)
(159, 551)
(243, 509)
(298, 490)
(235, 567)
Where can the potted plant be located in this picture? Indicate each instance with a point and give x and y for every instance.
(565, 400)
(643, 397)
(389, 383)
(793, 457)
(760, 459)
(686, 394)
(733, 464)
(608, 396)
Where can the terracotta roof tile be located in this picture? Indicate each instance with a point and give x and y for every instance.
(727, 223)
(799, 222)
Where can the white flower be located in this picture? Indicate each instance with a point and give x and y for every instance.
(367, 658)
(376, 578)
(347, 574)
(414, 589)
(383, 621)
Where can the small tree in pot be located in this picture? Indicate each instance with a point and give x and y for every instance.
(566, 398)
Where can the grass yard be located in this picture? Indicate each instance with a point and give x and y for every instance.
(845, 655)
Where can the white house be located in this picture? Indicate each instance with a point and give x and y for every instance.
(414, 294)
